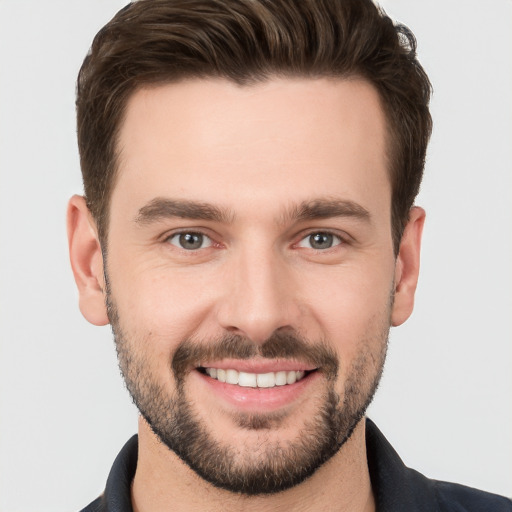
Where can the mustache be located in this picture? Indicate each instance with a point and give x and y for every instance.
(280, 345)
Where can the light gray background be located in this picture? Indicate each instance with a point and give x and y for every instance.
(445, 400)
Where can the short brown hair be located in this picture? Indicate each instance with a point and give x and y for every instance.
(249, 41)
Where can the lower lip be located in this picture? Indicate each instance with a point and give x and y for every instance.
(259, 399)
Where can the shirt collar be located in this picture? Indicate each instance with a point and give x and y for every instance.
(117, 496)
(397, 488)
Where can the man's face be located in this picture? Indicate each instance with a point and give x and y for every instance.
(250, 241)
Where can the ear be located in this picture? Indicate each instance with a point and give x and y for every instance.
(86, 261)
(407, 267)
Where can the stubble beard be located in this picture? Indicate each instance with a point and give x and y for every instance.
(274, 466)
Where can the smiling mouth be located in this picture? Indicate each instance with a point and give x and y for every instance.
(255, 380)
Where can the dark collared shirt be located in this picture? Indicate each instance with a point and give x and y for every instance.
(397, 488)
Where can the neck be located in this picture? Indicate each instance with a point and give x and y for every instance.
(163, 482)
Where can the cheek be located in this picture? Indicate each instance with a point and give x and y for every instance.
(171, 304)
(162, 303)
(352, 308)
(351, 291)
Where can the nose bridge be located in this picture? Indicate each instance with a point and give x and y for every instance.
(260, 297)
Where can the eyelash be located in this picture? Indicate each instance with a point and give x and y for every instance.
(335, 236)
(337, 239)
(190, 232)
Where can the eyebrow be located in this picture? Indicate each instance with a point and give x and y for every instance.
(325, 208)
(163, 208)
(322, 208)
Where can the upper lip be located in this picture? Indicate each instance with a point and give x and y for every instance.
(259, 365)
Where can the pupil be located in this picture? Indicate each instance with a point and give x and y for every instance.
(191, 240)
(321, 241)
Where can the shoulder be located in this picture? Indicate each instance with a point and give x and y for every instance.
(459, 498)
(98, 505)
(399, 488)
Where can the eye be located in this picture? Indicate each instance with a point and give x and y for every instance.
(320, 241)
(190, 241)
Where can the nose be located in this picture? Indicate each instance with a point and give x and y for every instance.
(260, 296)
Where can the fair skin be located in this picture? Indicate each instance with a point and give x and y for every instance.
(257, 154)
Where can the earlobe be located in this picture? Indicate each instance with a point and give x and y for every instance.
(407, 267)
(86, 261)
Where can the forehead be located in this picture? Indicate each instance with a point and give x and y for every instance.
(275, 143)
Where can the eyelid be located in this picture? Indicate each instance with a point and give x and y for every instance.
(166, 238)
(343, 238)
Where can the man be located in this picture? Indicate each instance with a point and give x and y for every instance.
(248, 231)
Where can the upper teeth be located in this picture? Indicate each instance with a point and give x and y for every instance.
(255, 380)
